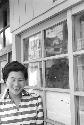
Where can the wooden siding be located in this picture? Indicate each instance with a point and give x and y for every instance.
(22, 12)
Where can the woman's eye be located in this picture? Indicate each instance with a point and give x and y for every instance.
(13, 80)
(20, 80)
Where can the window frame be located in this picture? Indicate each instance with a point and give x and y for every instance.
(43, 89)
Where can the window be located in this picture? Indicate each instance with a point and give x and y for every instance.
(45, 54)
(32, 47)
(56, 39)
(35, 74)
(57, 73)
(79, 32)
(79, 72)
(5, 35)
(78, 56)
(58, 107)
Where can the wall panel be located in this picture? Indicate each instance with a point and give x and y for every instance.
(29, 10)
(40, 6)
(26, 11)
(14, 13)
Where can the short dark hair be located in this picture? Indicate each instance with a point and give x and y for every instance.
(14, 66)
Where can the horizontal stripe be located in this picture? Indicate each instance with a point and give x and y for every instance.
(29, 109)
(17, 113)
(23, 107)
(29, 120)
(22, 114)
(10, 104)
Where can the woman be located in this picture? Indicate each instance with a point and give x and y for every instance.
(18, 107)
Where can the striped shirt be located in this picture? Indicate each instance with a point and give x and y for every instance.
(30, 111)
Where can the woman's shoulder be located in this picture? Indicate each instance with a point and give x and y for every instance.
(31, 95)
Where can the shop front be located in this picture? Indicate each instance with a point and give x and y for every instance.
(48, 39)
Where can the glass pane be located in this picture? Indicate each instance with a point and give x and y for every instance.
(79, 72)
(32, 47)
(8, 36)
(79, 32)
(26, 65)
(57, 73)
(35, 74)
(58, 107)
(56, 39)
(25, 49)
(10, 57)
(81, 110)
(35, 46)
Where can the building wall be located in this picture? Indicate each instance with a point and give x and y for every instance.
(24, 12)
(30, 21)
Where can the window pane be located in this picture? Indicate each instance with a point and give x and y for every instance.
(35, 46)
(5, 38)
(79, 32)
(58, 107)
(25, 49)
(57, 73)
(32, 47)
(81, 109)
(26, 65)
(10, 57)
(35, 74)
(8, 36)
(79, 72)
(56, 39)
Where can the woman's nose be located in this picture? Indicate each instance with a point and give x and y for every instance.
(16, 82)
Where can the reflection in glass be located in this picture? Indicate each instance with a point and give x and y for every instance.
(56, 39)
(57, 73)
(79, 32)
(79, 72)
(25, 49)
(10, 56)
(35, 74)
(5, 38)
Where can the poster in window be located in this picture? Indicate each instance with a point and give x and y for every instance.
(35, 47)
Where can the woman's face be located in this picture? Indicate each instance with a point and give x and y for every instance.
(15, 82)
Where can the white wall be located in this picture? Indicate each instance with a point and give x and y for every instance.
(25, 11)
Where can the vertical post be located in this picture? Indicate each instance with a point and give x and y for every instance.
(71, 71)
